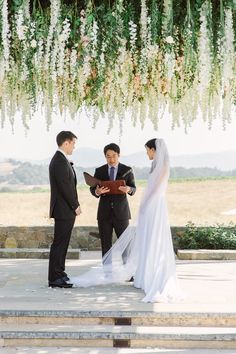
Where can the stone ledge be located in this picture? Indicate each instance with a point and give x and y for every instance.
(42, 237)
(207, 254)
(36, 253)
(119, 332)
(137, 318)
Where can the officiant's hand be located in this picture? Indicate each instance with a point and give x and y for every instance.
(101, 190)
(125, 189)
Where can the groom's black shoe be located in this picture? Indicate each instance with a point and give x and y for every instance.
(59, 283)
(65, 278)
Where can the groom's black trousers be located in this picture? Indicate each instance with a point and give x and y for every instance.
(62, 233)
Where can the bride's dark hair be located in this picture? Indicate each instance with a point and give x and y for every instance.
(151, 144)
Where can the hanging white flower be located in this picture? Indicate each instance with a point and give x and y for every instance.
(5, 35)
(33, 43)
(169, 64)
(167, 29)
(145, 39)
(87, 66)
(94, 39)
(53, 61)
(143, 21)
(228, 45)
(169, 40)
(133, 35)
(73, 59)
(204, 49)
(2, 69)
(54, 12)
(102, 62)
(26, 8)
(83, 23)
(39, 55)
(20, 28)
(62, 39)
(228, 67)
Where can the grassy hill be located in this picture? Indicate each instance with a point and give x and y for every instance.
(15, 175)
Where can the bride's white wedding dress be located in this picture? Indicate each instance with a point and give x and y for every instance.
(144, 251)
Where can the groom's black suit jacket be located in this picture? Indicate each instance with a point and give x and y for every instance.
(64, 198)
(116, 203)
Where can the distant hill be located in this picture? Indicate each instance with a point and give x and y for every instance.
(16, 174)
(6, 167)
(206, 165)
(225, 160)
(89, 157)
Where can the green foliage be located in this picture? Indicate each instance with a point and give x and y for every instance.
(219, 236)
(30, 174)
(155, 20)
(200, 172)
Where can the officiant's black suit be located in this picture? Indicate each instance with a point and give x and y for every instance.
(113, 209)
(63, 203)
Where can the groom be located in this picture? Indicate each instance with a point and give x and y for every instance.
(64, 207)
(113, 209)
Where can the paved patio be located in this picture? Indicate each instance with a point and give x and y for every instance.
(209, 286)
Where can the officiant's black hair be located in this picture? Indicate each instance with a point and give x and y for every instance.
(63, 136)
(151, 144)
(112, 147)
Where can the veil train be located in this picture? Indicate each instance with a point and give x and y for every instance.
(144, 250)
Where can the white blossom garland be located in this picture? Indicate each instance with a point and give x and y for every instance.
(144, 22)
(71, 63)
(62, 40)
(5, 36)
(55, 12)
(167, 32)
(205, 57)
(228, 66)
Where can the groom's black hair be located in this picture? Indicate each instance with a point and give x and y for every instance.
(63, 136)
(151, 144)
(112, 147)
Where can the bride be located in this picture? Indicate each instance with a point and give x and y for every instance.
(144, 251)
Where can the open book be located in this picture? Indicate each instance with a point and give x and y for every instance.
(112, 185)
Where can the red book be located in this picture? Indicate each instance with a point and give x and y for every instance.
(112, 185)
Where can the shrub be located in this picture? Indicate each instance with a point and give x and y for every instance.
(218, 236)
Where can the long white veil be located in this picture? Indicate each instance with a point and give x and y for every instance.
(121, 262)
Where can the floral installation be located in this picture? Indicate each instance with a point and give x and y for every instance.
(146, 57)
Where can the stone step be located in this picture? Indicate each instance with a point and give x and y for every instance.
(117, 336)
(206, 254)
(104, 350)
(138, 318)
(42, 253)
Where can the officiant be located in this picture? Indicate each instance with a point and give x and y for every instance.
(113, 208)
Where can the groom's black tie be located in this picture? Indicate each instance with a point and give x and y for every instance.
(112, 173)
